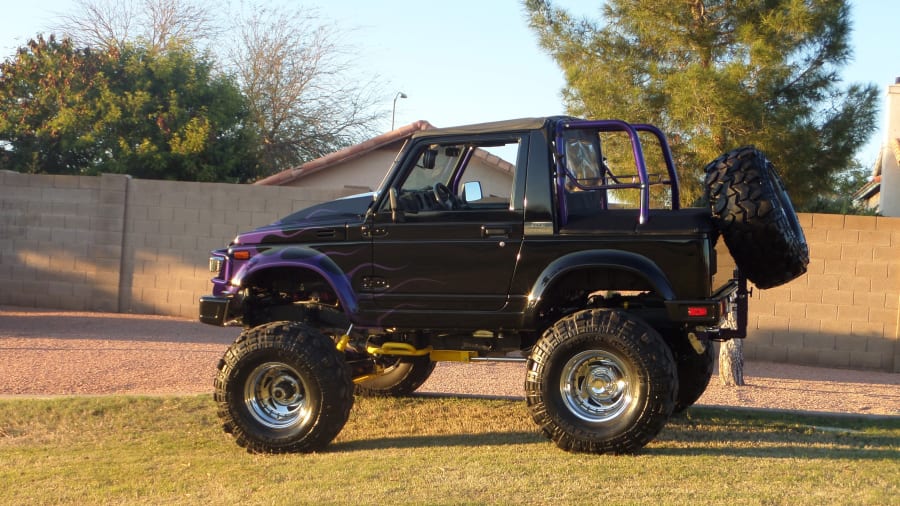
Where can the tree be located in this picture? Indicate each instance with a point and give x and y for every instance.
(154, 24)
(291, 69)
(131, 111)
(172, 117)
(715, 75)
(293, 73)
(47, 108)
(840, 199)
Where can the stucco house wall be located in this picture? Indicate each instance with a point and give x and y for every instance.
(889, 201)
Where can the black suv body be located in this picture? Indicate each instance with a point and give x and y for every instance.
(558, 239)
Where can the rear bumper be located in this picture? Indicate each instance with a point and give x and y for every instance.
(724, 313)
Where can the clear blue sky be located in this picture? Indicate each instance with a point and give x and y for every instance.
(469, 61)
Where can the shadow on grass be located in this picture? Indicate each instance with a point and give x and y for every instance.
(774, 452)
(440, 441)
(755, 434)
(698, 443)
(707, 432)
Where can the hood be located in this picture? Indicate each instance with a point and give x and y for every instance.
(307, 224)
(347, 208)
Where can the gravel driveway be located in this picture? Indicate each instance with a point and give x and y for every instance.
(47, 352)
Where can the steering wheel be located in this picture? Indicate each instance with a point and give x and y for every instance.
(444, 196)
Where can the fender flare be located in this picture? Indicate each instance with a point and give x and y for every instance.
(615, 259)
(302, 258)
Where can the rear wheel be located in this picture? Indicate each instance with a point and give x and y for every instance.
(401, 376)
(283, 387)
(601, 381)
(694, 371)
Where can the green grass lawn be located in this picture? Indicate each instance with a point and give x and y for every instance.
(432, 450)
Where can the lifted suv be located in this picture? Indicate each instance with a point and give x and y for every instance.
(551, 237)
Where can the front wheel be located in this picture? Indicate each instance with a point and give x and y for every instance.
(601, 381)
(283, 387)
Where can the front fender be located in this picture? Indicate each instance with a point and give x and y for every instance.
(298, 257)
(611, 259)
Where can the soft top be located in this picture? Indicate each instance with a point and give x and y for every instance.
(492, 127)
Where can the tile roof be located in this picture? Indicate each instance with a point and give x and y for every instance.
(344, 155)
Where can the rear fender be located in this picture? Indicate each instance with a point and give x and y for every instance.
(296, 257)
(636, 264)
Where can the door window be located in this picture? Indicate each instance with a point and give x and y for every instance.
(460, 176)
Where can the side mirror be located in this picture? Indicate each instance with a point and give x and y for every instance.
(472, 191)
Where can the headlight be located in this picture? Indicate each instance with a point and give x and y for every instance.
(215, 264)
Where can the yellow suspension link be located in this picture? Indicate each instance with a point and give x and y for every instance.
(398, 349)
(408, 350)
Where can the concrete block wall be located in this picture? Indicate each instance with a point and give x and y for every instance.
(172, 226)
(117, 244)
(61, 240)
(844, 311)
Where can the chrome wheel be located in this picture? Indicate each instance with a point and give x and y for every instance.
(600, 381)
(597, 386)
(275, 395)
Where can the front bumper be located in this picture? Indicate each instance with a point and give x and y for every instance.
(216, 310)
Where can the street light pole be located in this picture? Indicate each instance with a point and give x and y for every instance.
(400, 94)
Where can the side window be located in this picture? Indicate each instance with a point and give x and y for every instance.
(458, 176)
(583, 160)
(488, 179)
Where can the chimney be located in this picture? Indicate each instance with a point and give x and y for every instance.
(890, 171)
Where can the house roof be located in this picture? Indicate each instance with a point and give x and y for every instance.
(399, 135)
(869, 189)
(873, 187)
(344, 155)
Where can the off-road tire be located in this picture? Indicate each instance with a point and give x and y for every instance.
(283, 387)
(400, 378)
(632, 393)
(694, 371)
(756, 218)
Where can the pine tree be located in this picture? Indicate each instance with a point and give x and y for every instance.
(715, 75)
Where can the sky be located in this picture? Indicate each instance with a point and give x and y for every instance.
(470, 61)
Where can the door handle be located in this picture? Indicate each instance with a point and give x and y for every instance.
(370, 232)
(494, 232)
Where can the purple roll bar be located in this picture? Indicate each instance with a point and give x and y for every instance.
(614, 125)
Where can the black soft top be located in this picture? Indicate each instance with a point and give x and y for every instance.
(492, 127)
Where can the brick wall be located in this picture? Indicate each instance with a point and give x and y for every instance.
(61, 240)
(112, 243)
(844, 311)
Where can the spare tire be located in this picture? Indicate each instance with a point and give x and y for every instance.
(755, 216)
